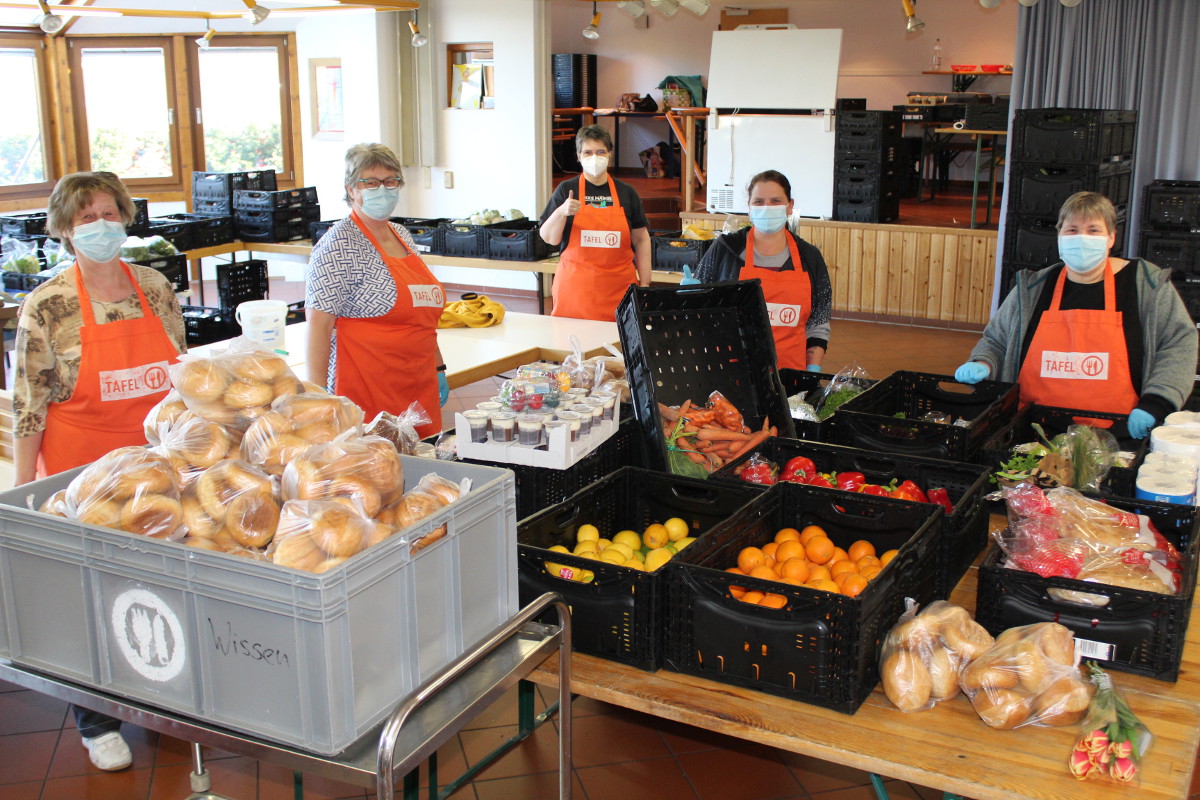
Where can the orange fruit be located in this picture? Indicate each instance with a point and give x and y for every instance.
(888, 556)
(737, 591)
(752, 598)
(870, 572)
(749, 558)
(794, 569)
(839, 555)
(853, 585)
(823, 586)
(810, 532)
(817, 572)
(769, 548)
(841, 577)
(819, 550)
(789, 550)
(841, 568)
(787, 535)
(791, 581)
(859, 549)
(769, 561)
(773, 601)
(736, 570)
(764, 573)
(868, 561)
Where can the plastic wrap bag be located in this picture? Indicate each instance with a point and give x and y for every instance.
(924, 654)
(56, 255)
(135, 249)
(18, 255)
(849, 381)
(318, 535)
(1112, 739)
(193, 444)
(130, 489)
(164, 412)
(1030, 676)
(294, 423)
(589, 373)
(56, 504)
(431, 494)
(236, 386)
(401, 430)
(157, 247)
(365, 469)
(233, 503)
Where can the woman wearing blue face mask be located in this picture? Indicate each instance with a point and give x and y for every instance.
(1094, 332)
(795, 280)
(372, 304)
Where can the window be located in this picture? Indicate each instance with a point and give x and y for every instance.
(471, 75)
(24, 142)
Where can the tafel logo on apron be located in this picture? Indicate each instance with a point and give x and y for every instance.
(784, 315)
(599, 239)
(430, 296)
(1084, 366)
(123, 384)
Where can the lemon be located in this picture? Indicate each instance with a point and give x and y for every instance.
(684, 542)
(630, 539)
(676, 528)
(655, 536)
(633, 563)
(603, 544)
(558, 548)
(657, 558)
(613, 556)
(622, 548)
(586, 547)
(587, 533)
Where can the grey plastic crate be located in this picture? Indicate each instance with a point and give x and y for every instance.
(312, 661)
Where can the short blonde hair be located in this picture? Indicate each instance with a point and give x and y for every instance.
(1088, 205)
(364, 156)
(74, 192)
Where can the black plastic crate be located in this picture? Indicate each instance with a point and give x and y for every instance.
(1039, 189)
(879, 210)
(820, 648)
(1172, 205)
(885, 122)
(869, 420)
(1189, 291)
(916, 112)
(671, 252)
(141, 217)
(174, 269)
(207, 325)
(317, 229)
(465, 240)
(518, 240)
(290, 231)
(212, 192)
(621, 615)
(179, 232)
(1146, 630)
(268, 200)
(22, 281)
(964, 531)
(23, 223)
(240, 281)
(282, 225)
(797, 381)
(1032, 241)
(1072, 135)
(206, 231)
(882, 144)
(684, 344)
(857, 166)
(864, 187)
(295, 313)
(981, 117)
(1176, 251)
(426, 233)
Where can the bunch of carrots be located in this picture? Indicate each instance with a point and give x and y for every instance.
(711, 435)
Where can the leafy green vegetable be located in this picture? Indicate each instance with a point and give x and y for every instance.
(678, 462)
(1018, 466)
(834, 400)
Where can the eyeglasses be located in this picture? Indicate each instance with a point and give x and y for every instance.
(375, 183)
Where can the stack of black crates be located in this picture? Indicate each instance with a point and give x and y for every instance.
(868, 179)
(1170, 235)
(237, 283)
(574, 77)
(1055, 153)
(267, 215)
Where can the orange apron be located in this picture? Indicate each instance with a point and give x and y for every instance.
(789, 302)
(1078, 358)
(122, 374)
(385, 363)
(596, 267)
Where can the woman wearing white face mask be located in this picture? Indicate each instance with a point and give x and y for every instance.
(1095, 332)
(794, 278)
(366, 282)
(601, 226)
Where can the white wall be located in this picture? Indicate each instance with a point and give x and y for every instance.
(880, 60)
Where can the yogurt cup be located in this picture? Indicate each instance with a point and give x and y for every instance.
(575, 420)
(490, 406)
(529, 429)
(586, 414)
(552, 424)
(504, 425)
(610, 403)
(478, 420)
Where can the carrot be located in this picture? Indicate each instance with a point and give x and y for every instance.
(683, 409)
(766, 422)
(746, 429)
(750, 443)
(667, 413)
(699, 458)
(719, 434)
(773, 431)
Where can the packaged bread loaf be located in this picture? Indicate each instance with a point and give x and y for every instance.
(236, 386)
(130, 489)
(431, 494)
(164, 412)
(366, 469)
(233, 504)
(318, 535)
(1030, 676)
(924, 653)
(193, 444)
(400, 430)
(295, 422)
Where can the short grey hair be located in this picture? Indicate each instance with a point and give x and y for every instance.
(74, 192)
(593, 133)
(1088, 205)
(361, 157)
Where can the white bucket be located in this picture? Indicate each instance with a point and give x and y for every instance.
(263, 320)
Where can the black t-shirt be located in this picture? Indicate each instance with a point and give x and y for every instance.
(1091, 296)
(598, 196)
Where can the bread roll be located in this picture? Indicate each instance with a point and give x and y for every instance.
(985, 673)
(1030, 664)
(201, 380)
(1058, 644)
(969, 639)
(151, 515)
(943, 673)
(1002, 709)
(1063, 702)
(297, 550)
(252, 518)
(906, 681)
(244, 394)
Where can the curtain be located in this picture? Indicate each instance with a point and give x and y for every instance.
(1123, 54)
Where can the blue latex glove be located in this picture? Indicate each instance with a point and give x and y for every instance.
(1140, 423)
(443, 388)
(814, 367)
(687, 279)
(971, 372)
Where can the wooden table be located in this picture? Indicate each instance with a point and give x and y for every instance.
(979, 136)
(947, 748)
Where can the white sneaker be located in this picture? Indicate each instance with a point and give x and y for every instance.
(109, 751)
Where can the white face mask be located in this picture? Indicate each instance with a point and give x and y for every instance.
(594, 165)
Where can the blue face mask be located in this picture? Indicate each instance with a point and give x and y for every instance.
(379, 203)
(1082, 253)
(768, 219)
(99, 241)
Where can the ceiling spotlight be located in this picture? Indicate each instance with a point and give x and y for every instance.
(257, 13)
(697, 7)
(592, 31)
(1070, 3)
(989, 3)
(204, 40)
(634, 8)
(666, 7)
(914, 24)
(1028, 2)
(49, 23)
(418, 39)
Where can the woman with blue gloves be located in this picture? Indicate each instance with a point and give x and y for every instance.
(794, 278)
(1095, 333)
(366, 282)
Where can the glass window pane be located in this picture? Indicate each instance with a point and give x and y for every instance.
(240, 101)
(22, 157)
(125, 96)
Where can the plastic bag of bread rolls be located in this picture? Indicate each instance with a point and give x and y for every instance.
(234, 504)
(193, 444)
(294, 423)
(130, 489)
(55, 504)
(366, 469)
(318, 535)
(431, 494)
(400, 430)
(1030, 676)
(924, 653)
(164, 412)
(236, 386)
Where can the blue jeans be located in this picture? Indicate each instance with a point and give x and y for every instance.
(92, 723)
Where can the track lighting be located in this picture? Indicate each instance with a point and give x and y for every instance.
(634, 8)
(257, 13)
(666, 7)
(697, 7)
(989, 3)
(204, 40)
(49, 23)
(592, 31)
(914, 24)
(418, 39)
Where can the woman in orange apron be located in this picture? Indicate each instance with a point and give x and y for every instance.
(607, 243)
(373, 304)
(85, 382)
(1095, 333)
(792, 272)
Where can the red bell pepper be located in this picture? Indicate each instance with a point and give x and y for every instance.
(942, 498)
(850, 481)
(797, 466)
(904, 493)
(759, 473)
(870, 488)
(817, 479)
(916, 490)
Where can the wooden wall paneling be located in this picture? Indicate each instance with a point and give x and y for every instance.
(937, 258)
(184, 108)
(883, 271)
(841, 286)
(854, 263)
(979, 272)
(908, 274)
(921, 273)
(866, 273)
(962, 280)
(62, 110)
